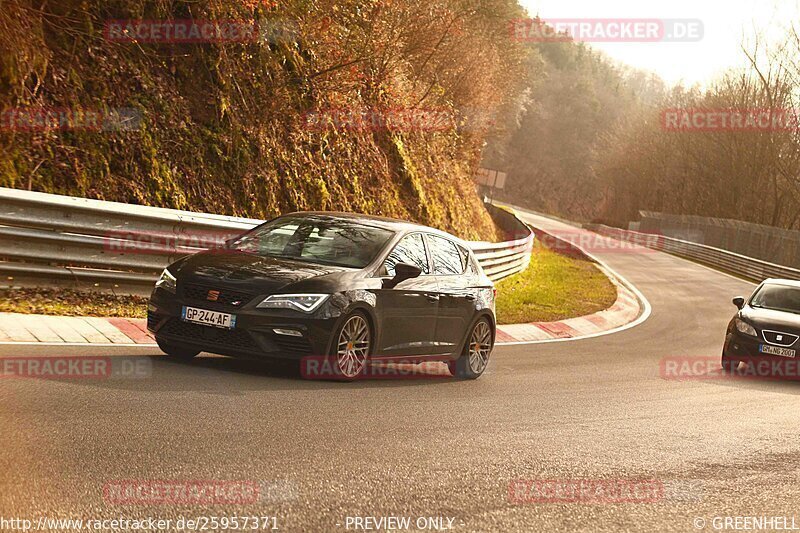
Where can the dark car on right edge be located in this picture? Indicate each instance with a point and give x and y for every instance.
(767, 325)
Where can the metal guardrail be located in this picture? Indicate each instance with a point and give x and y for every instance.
(740, 265)
(48, 237)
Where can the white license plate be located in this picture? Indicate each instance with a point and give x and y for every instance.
(208, 318)
(774, 350)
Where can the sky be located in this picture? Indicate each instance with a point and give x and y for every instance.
(726, 23)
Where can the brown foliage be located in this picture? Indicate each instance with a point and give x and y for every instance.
(223, 126)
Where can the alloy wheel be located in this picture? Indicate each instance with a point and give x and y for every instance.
(480, 345)
(353, 346)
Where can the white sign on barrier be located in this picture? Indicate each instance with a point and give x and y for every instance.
(491, 178)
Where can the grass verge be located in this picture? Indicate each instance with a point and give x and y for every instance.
(554, 287)
(70, 302)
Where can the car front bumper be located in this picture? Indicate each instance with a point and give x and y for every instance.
(746, 348)
(253, 336)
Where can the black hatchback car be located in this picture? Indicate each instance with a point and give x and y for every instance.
(352, 289)
(767, 324)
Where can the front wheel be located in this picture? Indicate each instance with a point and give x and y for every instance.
(176, 352)
(352, 348)
(476, 354)
(729, 365)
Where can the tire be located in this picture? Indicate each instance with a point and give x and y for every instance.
(476, 354)
(729, 365)
(351, 347)
(176, 352)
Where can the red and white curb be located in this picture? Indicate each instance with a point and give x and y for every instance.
(627, 308)
(18, 328)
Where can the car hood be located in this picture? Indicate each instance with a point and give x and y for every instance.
(770, 319)
(249, 271)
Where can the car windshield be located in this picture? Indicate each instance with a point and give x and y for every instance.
(777, 297)
(315, 239)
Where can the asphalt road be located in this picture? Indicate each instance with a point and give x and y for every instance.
(322, 452)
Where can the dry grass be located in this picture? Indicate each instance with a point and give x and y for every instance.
(69, 302)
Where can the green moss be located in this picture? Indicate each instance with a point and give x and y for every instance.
(409, 174)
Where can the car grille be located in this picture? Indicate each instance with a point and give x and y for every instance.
(779, 338)
(226, 297)
(229, 338)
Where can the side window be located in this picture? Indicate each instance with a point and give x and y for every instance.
(411, 250)
(447, 258)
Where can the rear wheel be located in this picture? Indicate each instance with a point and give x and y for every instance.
(352, 348)
(176, 352)
(476, 354)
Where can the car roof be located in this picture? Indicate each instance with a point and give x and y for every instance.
(392, 224)
(787, 282)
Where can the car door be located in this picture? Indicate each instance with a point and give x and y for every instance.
(409, 310)
(457, 295)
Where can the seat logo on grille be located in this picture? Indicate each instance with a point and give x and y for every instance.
(212, 296)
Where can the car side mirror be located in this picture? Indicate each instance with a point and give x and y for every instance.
(402, 272)
(738, 302)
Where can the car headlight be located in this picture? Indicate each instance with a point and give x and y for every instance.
(167, 281)
(299, 302)
(745, 328)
